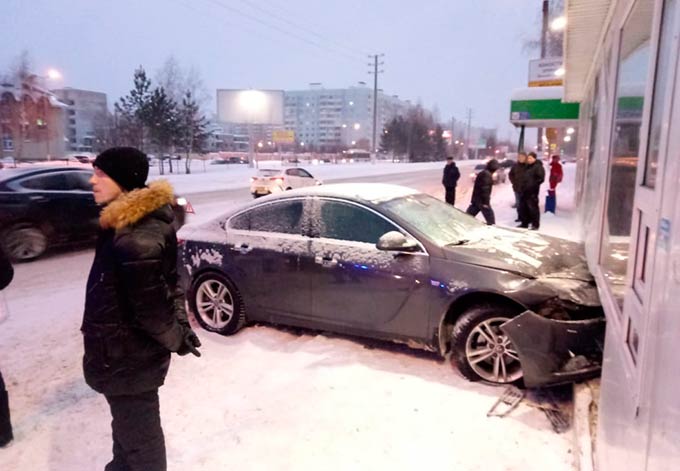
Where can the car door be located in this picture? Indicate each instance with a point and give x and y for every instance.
(56, 200)
(269, 252)
(292, 178)
(357, 286)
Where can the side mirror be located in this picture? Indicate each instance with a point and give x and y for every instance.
(396, 241)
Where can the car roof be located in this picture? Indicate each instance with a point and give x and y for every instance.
(369, 192)
(10, 173)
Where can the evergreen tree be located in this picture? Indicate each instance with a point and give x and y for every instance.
(192, 128)
(132, 112)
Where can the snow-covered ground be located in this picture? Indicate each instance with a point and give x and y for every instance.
(226, 177)
(266, 398)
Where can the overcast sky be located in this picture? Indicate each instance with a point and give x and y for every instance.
(450, 53)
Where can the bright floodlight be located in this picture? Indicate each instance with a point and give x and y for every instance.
(357, 126)
(570, 130)
(53, 74)
(558, 23)
(252, 100)
(559, 72)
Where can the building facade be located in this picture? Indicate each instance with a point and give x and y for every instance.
(86, 117)
(31, 122)
(628, 191)
(334, 119)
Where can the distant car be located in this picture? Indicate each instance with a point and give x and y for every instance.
(388, 262)
(46, 206)
(507, 163)
(499, 175)
(271, 180)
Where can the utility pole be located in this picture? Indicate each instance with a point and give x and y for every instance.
(467, 136)
(453, 136)
(544, 41)
(374, 143)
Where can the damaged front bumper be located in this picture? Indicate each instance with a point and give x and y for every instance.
(554, 351)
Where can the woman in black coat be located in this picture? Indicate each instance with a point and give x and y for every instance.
(6, 275)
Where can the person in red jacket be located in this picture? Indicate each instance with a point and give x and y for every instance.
(556, 173)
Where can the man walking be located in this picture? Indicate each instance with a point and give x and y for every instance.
(481, 193)
(450, 180)
(134, 310)
(534, 175)
(516, 176)
(6, 275)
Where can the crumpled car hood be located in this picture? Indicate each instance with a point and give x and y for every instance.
(522, 252)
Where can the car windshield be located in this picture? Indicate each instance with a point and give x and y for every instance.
(480, 167)
(268, 172)
(440, 222)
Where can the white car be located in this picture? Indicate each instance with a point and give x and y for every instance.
(272, 180)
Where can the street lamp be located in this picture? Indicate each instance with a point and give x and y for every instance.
(559, 72)
(558, 24)
(357, 126)
(54, 74)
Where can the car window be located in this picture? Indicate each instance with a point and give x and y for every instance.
(304, 173)
(349, 222)
(292, 172)
(51, 182)
(284, 217)
(79, 181)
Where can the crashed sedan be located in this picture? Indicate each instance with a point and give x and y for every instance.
(388, 262)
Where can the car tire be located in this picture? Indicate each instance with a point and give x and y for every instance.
(216, 304)
(480, 350)
(289, 188)
(24, 242)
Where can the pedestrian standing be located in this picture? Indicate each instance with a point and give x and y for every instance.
(6, 275)
(534, 176)
(516, 176)
(555, 178)
(134, 309)
(450, 180)
(481, 193)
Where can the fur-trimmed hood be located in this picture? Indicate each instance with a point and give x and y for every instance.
(131, 207)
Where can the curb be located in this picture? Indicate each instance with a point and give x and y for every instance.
(583, 445)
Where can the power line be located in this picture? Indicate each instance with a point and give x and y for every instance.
(275, 27)
(302, 27)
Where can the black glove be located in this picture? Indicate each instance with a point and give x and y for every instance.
(191, 343)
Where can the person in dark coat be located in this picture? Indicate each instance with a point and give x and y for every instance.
(6, 275)
(534, 176)
(481, 193)
(450, 180)
(516, 176)
(134, 309)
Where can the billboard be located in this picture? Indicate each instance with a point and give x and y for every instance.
(283, 137)
(542, 72)
(250, 106)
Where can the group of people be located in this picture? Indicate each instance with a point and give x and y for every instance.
(526, 177)
(134, 315)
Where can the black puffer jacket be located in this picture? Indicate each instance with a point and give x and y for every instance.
(481, 193)
(516, 176)
(534, 175)
(451, 175)
(6, 270)
(134, 310)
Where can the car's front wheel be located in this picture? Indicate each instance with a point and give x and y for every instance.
(24, 242)
(217, 304)
(480, 350)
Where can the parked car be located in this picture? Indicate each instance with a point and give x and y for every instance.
(499, 175)
(271, 180)
(46, 206)
(388, 262)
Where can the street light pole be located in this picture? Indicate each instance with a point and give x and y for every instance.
(375, 102)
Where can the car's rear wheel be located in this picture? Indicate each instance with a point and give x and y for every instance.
(24, 242)
(480, 350)
(217, 304)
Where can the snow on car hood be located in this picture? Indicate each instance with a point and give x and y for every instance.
(523, 252)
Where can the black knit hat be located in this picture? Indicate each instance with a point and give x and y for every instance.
(127, 166)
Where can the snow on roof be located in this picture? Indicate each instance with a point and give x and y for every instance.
(537, 93)
(372, 192)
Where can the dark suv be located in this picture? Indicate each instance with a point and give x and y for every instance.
(46, 206)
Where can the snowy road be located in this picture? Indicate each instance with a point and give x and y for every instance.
(266, 398)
